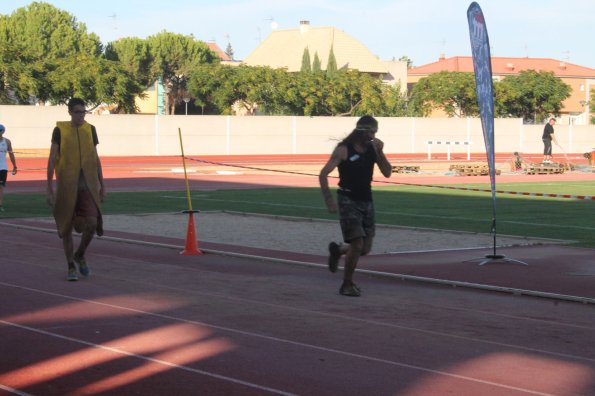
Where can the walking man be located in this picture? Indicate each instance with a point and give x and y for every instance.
(547, 137)
(5, 148)
(79, 185)
(355, 157)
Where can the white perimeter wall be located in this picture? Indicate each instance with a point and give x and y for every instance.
(30, 127)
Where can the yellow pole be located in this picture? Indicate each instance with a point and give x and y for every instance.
(185, 175)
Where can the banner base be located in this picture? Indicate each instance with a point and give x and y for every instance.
(490, 258)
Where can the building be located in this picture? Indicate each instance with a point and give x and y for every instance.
(580, 78)
(285, 49)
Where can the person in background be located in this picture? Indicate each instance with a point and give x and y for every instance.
(355, 156)
(547, 137)
(517, 163)
(79, 185)
(5, 148)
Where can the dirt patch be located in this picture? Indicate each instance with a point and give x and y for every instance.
(301, 235)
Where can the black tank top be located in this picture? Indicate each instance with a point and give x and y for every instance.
(355, 174)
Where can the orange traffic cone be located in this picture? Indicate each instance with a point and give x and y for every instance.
(191, 247)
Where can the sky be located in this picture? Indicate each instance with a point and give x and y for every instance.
(420, 30)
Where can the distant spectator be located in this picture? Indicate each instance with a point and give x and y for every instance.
(517, 163)
(547, 137)
(5, 148)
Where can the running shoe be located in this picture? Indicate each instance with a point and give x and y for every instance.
(334, 254)
(72, 276)
(83, 267)
(349, 289)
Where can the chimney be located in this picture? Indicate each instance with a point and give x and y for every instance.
(441, 57)
(304, 26)
(510, 66)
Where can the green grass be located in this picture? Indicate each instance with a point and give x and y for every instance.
(398, 205)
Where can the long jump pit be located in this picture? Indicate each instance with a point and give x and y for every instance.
(304, 236)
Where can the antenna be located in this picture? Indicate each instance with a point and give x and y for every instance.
(274, 24)
(115, 17)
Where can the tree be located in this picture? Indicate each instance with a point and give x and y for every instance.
(134, 55)
(96, 80)
(174, 57)
(331, 66)
(395, 103)
(35, 39)
(531, 95)
(306, 65)
(452, 92)
(229, 51)
(316, 63)
(406, 59)
(47, 56)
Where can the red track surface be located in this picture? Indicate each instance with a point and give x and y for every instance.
(166, 173)
(149, 321)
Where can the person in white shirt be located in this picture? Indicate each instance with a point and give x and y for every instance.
(5, 148)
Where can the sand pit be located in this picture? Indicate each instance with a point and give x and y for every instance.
(301, 235)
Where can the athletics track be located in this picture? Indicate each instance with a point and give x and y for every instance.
(239, 321)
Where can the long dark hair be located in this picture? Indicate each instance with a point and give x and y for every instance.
(364, 124)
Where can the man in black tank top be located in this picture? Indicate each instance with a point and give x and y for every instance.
(355, 157)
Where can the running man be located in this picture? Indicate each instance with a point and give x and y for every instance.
(355, 157)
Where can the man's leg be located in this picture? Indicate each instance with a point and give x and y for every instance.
(352, 256)
(3, 174)
(88, 232)
(354, 250)
(69, 253)
(68, 247)
(86, 214)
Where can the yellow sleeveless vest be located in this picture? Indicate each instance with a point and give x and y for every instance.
(77, 153)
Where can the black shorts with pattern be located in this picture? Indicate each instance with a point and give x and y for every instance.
(357, 218)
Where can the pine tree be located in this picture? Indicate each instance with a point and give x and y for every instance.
(229, 51)
(316, 63)
(331, 66)
(306, 66)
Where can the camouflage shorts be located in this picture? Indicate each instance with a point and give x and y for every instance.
(356, 217)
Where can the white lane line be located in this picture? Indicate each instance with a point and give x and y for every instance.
(250, 334)
(146, 358)
(14, 391)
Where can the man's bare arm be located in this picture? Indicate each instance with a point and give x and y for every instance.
(338, 155)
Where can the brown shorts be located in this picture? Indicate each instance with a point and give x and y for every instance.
(85, 205)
